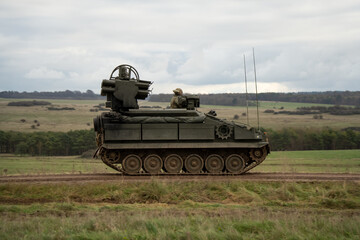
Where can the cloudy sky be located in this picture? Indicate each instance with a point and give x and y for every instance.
(307, 45)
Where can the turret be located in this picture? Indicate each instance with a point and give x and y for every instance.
(123, 90)
(170, 141)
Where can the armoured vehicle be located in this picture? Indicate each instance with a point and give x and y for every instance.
(170, 141)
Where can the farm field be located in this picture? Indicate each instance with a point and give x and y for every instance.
(337, 161)
(81, 117)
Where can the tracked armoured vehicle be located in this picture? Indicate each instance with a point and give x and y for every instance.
(169, 141)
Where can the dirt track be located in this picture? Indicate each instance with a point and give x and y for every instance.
(255, 176)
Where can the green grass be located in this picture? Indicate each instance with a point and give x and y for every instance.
(337, 161)
(319, 161)
(180, 224)
(180, 210)
(14, 165)
(197, 194)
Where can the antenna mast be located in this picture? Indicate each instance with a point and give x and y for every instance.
(246, 95)
(257, 100)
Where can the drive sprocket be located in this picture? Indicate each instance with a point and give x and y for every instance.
(223, 131)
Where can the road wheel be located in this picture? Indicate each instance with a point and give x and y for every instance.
(153, 164)
(214, 163)
(173, 163)
(194, 163)
(234, 163)
(131, 163)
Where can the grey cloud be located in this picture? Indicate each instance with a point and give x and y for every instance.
(303, 45)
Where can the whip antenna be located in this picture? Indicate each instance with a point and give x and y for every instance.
(246, 95)
(257, 100)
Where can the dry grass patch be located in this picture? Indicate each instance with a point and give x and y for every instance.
(75, 120)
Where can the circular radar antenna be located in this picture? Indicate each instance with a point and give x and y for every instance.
(124, 72)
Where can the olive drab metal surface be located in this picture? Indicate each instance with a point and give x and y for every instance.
(180, 140)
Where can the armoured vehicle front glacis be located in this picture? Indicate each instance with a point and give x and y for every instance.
(170, 141)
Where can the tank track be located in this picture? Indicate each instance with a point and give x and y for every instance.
(183, 161)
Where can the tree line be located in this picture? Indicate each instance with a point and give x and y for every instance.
(79, 141)
(239, 99)
(226, 99)
(47, 143)
(76, 95)
(312, 139)
(329, 97)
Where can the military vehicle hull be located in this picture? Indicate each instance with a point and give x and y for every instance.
(177, 141)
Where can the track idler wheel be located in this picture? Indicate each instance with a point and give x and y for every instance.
(258, 154)
(153, 164)
(214, 163)
(173, 163)
(234, 163)
(194, 163)
(131, 164)
(112, 156)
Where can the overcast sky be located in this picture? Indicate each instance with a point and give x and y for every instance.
(302, 45)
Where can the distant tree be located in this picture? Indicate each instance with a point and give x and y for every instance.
(52, 95)
(21, 148)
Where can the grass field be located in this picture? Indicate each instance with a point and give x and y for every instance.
(338, 161)
(81, 118)
(279, 121)
(61, 121)
(26, 165)
(180, 210)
